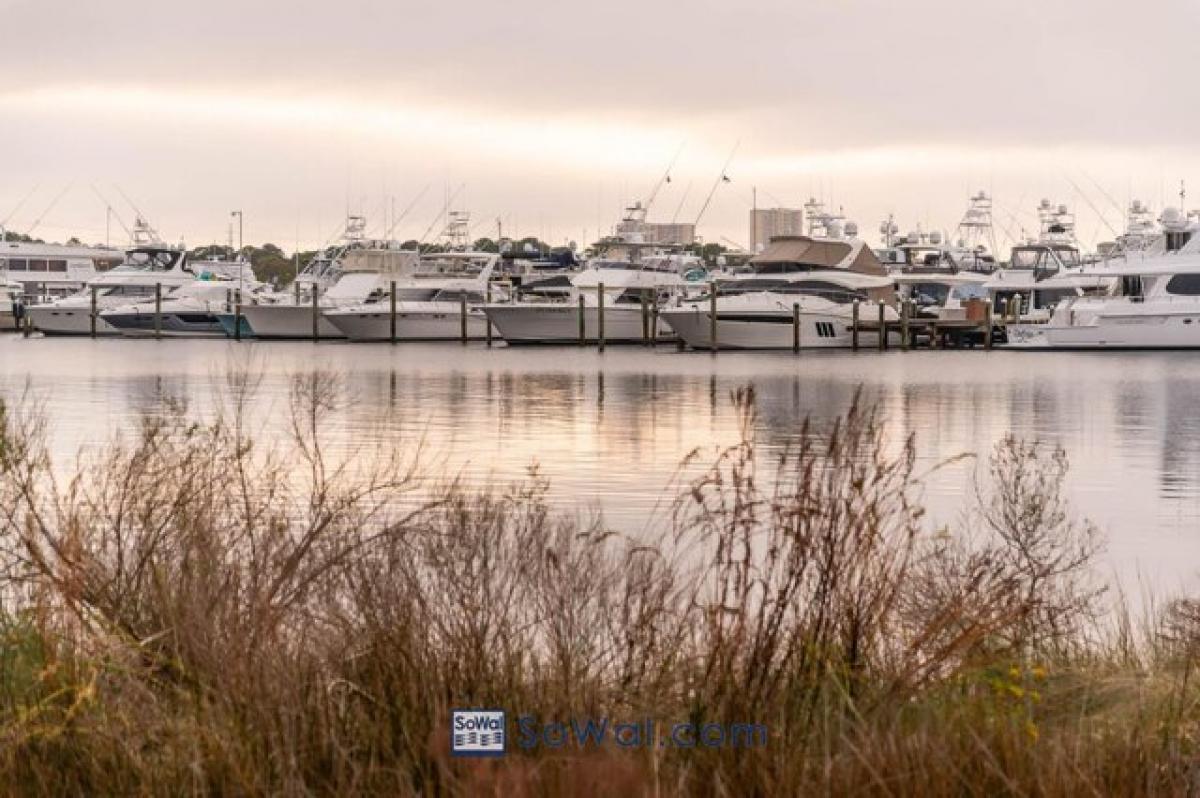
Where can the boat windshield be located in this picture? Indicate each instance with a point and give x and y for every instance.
(925, 294)
(833, 292)
(149, 260)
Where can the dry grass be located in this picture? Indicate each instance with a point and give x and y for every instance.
(197, 610)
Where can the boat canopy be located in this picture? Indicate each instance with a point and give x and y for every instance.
(803, 253)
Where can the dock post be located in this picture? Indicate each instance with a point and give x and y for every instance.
(392, 310)
(237, 316)
(600, 315)
(645, 318)
(26, 324)
(1016, 309)
(712, 316)
(462, 316)
(582, 323)
(316, 315)
(654, 322)
(296, 290)
(158, 310)
(854, 327)
(95, 303)
(987, 326)
(796, 328)
(882, 328)
(488, 322)
(905, 310)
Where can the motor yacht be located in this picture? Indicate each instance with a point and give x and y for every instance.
(1147, 298)
(193, 309)
(623, 287)
(144, 268)
(46, 272)
(343, 275)
(429, 302)
(1041, 272)
(820, 280)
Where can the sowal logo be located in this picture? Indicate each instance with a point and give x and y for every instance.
(477, 732)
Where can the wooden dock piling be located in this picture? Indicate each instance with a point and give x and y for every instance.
(795, 328)
(158, 310)
(854, 327)
(600, 315)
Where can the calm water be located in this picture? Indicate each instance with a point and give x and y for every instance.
(609, 429)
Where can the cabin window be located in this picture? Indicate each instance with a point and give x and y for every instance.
(1184, 285)
(17, 264)
(37, 266)
(58, 265)
(1131, 286)
(1177, 240)
(926, 294)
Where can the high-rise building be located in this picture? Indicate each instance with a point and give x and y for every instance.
(678, 233)
(766, 223)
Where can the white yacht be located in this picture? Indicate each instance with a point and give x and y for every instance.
(1041, 272)
(429, 301)
(344, 275)
(623, 284)
(134, 280)
(823, 278)
(50, 271)
(192, 309)
(1147, 298)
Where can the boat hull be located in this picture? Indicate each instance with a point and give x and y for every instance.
(553, 323)
(768, 331)
(418, 325)
(287, 321)
(136, 324)
(67, 321)
(1149, 331)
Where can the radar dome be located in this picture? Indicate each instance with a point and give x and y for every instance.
(852, 229)
(1171, 216)
(935, 238)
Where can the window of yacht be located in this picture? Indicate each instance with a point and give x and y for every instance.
(1177, 240)
(458, 295)
(1025, 258)
(1131, 286)
(58, 265)
(1184, 285)
(38, 266)
(969, 291)
(17, 264)
(929, 293)
(822, 288)
(1050, 297)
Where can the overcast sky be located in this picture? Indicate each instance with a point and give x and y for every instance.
(552, 115)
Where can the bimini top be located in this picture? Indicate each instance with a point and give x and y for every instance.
(802, 253)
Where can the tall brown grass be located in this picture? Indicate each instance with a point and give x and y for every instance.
(199, 608)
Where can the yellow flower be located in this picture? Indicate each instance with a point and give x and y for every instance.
(1038, 672)
(1032, 730)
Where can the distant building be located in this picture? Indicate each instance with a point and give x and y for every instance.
(766, 223)
(659, 232)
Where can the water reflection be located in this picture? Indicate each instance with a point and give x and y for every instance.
(609, 430)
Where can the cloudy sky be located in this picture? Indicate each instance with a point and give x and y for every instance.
(552, 115)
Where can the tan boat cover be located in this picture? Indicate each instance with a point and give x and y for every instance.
(818, 254)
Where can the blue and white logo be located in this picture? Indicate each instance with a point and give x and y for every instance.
(477, 732)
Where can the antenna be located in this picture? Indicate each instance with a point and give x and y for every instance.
(113, 211)
(721, 178)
